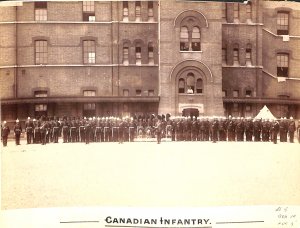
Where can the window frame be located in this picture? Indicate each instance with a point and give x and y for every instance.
(41, 52)
(40, 8)
(282, 29)
(87, 59)
(282, 63)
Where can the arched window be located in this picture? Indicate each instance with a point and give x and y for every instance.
(199, 86)
(138, 54)
(184, 39)
(138, 10)
(190, 83)
(236, 55)
(249, 11)
(248, 55)
(125, 11)
(181, 85)
(150, 53)
(125, 54)
(196, 39)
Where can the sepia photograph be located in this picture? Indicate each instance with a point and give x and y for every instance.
(150, 104)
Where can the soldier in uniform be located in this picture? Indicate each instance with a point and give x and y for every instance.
(274, 130)
(249, 129)
(159, 129)
(222, 129)
(282, 130)
(240, 129)
(231, 129)
(65, 130)
(55, 130)
(214, 130)
(18, 132)
(291, 129)
(29, 130)
(43, 131)
(132, 129)
(195, 129)
(4, 133)
(121, 132)
(81, 129)
(206, 129)
(87, 130)
(256, 130)
(73, 130)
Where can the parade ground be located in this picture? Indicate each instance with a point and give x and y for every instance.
(150, 174)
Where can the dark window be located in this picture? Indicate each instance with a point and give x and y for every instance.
(138, 55)
(181, 85)
(89, 52)
(282, 23)
(150, 10)
(150, 92)
(137, 10)
(196, 39)
(236, 56)
(199, 86)
(150, 54)
(248, 57)
(88, 9)
(41, 52)
(138, 92)
(125, 55)
(248, 93)
(282, 64)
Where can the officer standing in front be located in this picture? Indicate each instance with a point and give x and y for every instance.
(18, 132)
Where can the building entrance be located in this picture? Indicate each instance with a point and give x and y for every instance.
(190, 112)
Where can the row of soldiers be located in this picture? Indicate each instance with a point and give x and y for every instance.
(112, 129)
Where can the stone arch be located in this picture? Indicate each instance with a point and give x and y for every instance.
(191, 64)
(191, 13)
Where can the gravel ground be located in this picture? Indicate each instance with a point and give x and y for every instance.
(148, 174)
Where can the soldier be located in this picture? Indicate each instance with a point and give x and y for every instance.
(73, 130)
(206, 129)
(87, 129)
(264, 131)
(55, 130)
(81, 130)
(43, 131)
(29, 130)
(65, 130)
(231, 129)
(256, 130)
(240, 129)
(159, 129)
(132, 129)
(214, 130)
(291, 129)
(4, 133)
(282, 130)
(121, 132)
(179, 130)
(222, 129)
(195, 129)
(98, 130)
(249, 129)
(18, 132)
(274, 130)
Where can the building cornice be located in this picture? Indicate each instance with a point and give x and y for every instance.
(77, 99)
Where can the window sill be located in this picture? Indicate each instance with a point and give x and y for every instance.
(240, 66)
(190, 94)
(190, 51)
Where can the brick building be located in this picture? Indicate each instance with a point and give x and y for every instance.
(103, 58)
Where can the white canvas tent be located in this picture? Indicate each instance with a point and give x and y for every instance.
(265, 113)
